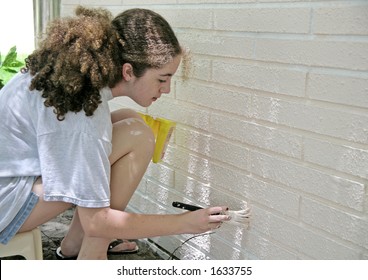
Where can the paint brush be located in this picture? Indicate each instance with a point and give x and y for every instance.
(237, 217)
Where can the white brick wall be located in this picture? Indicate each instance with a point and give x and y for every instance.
(275, 113)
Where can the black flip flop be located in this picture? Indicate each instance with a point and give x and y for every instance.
(115, 243)
(59, 255)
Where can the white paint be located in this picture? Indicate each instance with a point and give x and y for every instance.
(130, 121)
(136, 132)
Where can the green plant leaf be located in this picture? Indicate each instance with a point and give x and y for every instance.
(10, 58)
(17, 64)
(10, 66)
(10, 70)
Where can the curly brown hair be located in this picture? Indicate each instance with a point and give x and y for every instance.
(83, 54)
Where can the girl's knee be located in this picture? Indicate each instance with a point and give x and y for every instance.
(133, 134)
(142, 135)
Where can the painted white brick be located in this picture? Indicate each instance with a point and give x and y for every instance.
(137, 203)
(194, 189)
(213, 44)
(338, 89)
(161, 173)
(189, 252)
(343, 158)
(282, 1)
(244, 187)
(214, 248)
(162, 194)
(114, 106)
(206, 194)
(67, 10)
(100, 3)
(145, 205)
(193, 164)
(279, 20)
(272, 196)
(265, 78)
(214, 1)
(265, 248)
(257, 135)
(299, 238)
(188, 18)
(309, 180)
(170, 243)
(321, 120)
(337, 54)
(218, 247)
(337, 222)
(188, 115)
(233, 236)
(341, 20)
(210, 146)
(159, 193)
(215, 98)
(229, 179)
(126, 103)
(147, 2)
(70, 2)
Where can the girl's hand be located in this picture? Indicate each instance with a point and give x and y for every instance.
(203, 220)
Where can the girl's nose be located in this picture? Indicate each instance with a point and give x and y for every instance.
(165, 88)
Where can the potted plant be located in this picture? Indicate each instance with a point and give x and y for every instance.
(9, 66)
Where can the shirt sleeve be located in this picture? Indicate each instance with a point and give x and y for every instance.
(75, 168)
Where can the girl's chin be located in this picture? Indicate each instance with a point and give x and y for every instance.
(147, 104)
(144, 103)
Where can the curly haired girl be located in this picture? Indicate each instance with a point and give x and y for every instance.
(62, 147)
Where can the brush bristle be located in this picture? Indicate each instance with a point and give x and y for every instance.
(239, 216)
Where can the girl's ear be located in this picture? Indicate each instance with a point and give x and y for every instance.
(127, 72)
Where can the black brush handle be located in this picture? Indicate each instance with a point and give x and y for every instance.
(185, 206)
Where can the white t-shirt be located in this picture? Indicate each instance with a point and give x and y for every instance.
(72, 155)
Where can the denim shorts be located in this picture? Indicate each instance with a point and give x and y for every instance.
(14, 226)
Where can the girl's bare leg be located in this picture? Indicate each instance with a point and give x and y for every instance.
(132, 150)
(44, 210)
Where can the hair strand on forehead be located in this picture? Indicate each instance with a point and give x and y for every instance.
(186, 63)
